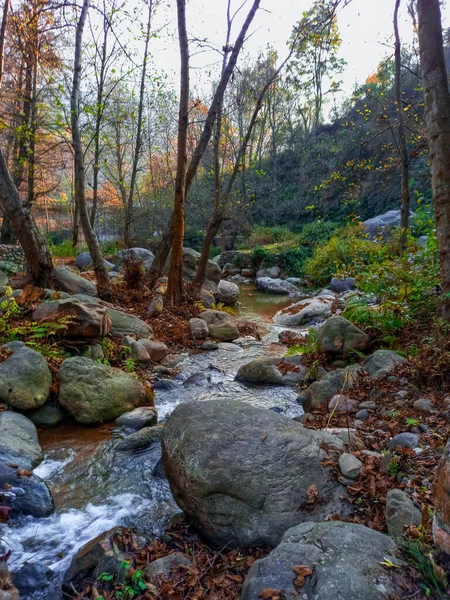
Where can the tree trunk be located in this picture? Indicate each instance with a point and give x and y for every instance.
(403, 147)
(175, 291)
(36, 252)
(138, 145)
(2, 38)
(437, 120)
(216, 105)
(103, 281)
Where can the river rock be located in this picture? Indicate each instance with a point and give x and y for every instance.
(156, 350)
(340, 404)
(381, 225)
(304, 311)
(143, 438)
(88, 322)
(18, 439)
(198, 329)
(156, 306)
(137, 253)
(127, 324)
(349, 465)
(404, 440)
(215, 317)
(144, 416)
(339, 336)
(163, 566)
(401, 512)
(264, 371)
(242, 474)
(227, 293)
(46, 416)
(345, 559)
(72, 283)
(225, 332)
(382, 362)
(140, 354)
(25, 380)
(271, 272)
(424, 406)
(441, 520)
(93, 393)
(319, 393)
(4, 282)
(342, 285)
(276, 286)
(84, 262)
(32, 578)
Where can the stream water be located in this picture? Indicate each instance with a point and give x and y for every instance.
(96, 487)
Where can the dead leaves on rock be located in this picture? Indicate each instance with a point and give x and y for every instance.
(301, 572)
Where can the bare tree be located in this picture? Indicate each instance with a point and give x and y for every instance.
(175, 292)
(103, 281)
(437, 119)
(402, 144)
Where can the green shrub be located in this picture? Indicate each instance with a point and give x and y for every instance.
(65, 249)
(214, 251)
(193, 238)
(317, 232)
(261, 236)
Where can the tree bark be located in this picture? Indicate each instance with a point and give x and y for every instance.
(103, 281)
(36, 252)
(138, 145)
(437, 120)
(175, 291)
(2, 38)
(402, 144)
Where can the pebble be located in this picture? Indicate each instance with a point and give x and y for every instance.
(372, 453)
(404, 440)
(402, 394)
(424, 405)
(362, 415)
(349, 465)
(340, 404)
(369, 405)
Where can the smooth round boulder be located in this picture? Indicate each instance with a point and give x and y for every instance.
(305, 311)
(144, 416)
(198, 328)
(226, 332)
(46, 416)
(337, 561)
(137, 253)
(25, 380)
(93, 392)
(227, 293)
(382, 363)
(244, 475)
(266, 371)
(156, 350)
(19, 439)
(339, 336)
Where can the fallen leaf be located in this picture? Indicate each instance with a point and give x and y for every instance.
(311, 493)
(270, 594)
(302, 571)
(24, 473)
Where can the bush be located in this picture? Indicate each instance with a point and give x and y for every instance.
(261, 236)
(317, 232)
(193, 238)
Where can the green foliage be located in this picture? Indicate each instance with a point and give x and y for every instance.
(107, 348)
(317, 232)
(261, 236)
(193, 238)
(394, 466)
(220, 306)
(422, 560)
(129, 365)
(214, 251)
(310, 346)
(412, 422)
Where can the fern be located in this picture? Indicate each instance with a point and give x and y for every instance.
(358, 311)
(310, 346)
(220, 306)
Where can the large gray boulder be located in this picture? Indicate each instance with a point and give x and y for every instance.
(225, 332)
(272, 272)
(93, 393)
(383, 362)
(381, 225)
(277, 286)
(190, 264)
(18, 439)
(343, 561)
(227, 293)
(137, 253)
(342, 285)
(88, 322)
(84, 262)
(339, 336)
(266, 371)
(304, 311)
(72, 283)
(244, 474)
(25, 380)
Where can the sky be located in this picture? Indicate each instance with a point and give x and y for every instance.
(365, 27)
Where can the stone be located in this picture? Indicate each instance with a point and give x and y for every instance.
(100, 555)
(163, 566)
(18, 439)
(342, 285)
(190, 264)
(210, 346)
(401, 512)
(215, 317)
(362, 415)
(264, 371)
(143, 438)
(319, 393)
(250, 273)
(137, 253)
(126, 324)
(14, 345)
(25, 380)
(349, 465)
(404, 440)
(156, 306)
(47, 416)
(339, 336)
(242, 473)
(32, 578)
(294, 280)
(230, 347)
(72, 283)
(88, 322)
(4, 282)
(382, 363)
(276, 286)
(227, 293)
(93, 351)
(303, 312)
(144, 416)
(441, 519)
(271, 272)
(382, 225)
(93, 392)
(198, 328)
(340, 404)
(165, 385)
(368, 405)
(345, 564)
(156, 350)
(84, 261)
(226, 332)
(207, 298)
(159, 471)
(424, 406)
(140, 354)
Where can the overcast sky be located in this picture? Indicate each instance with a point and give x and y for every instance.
(365, 26)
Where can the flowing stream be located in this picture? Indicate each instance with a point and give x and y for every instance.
(96, 487)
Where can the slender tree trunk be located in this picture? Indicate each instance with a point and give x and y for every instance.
(31, 159)
(402, 144)
(437, 120)
(138, 145)
(36, 252)
(216, 105)
(103, 281)
(2, 38)
(175, 291)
